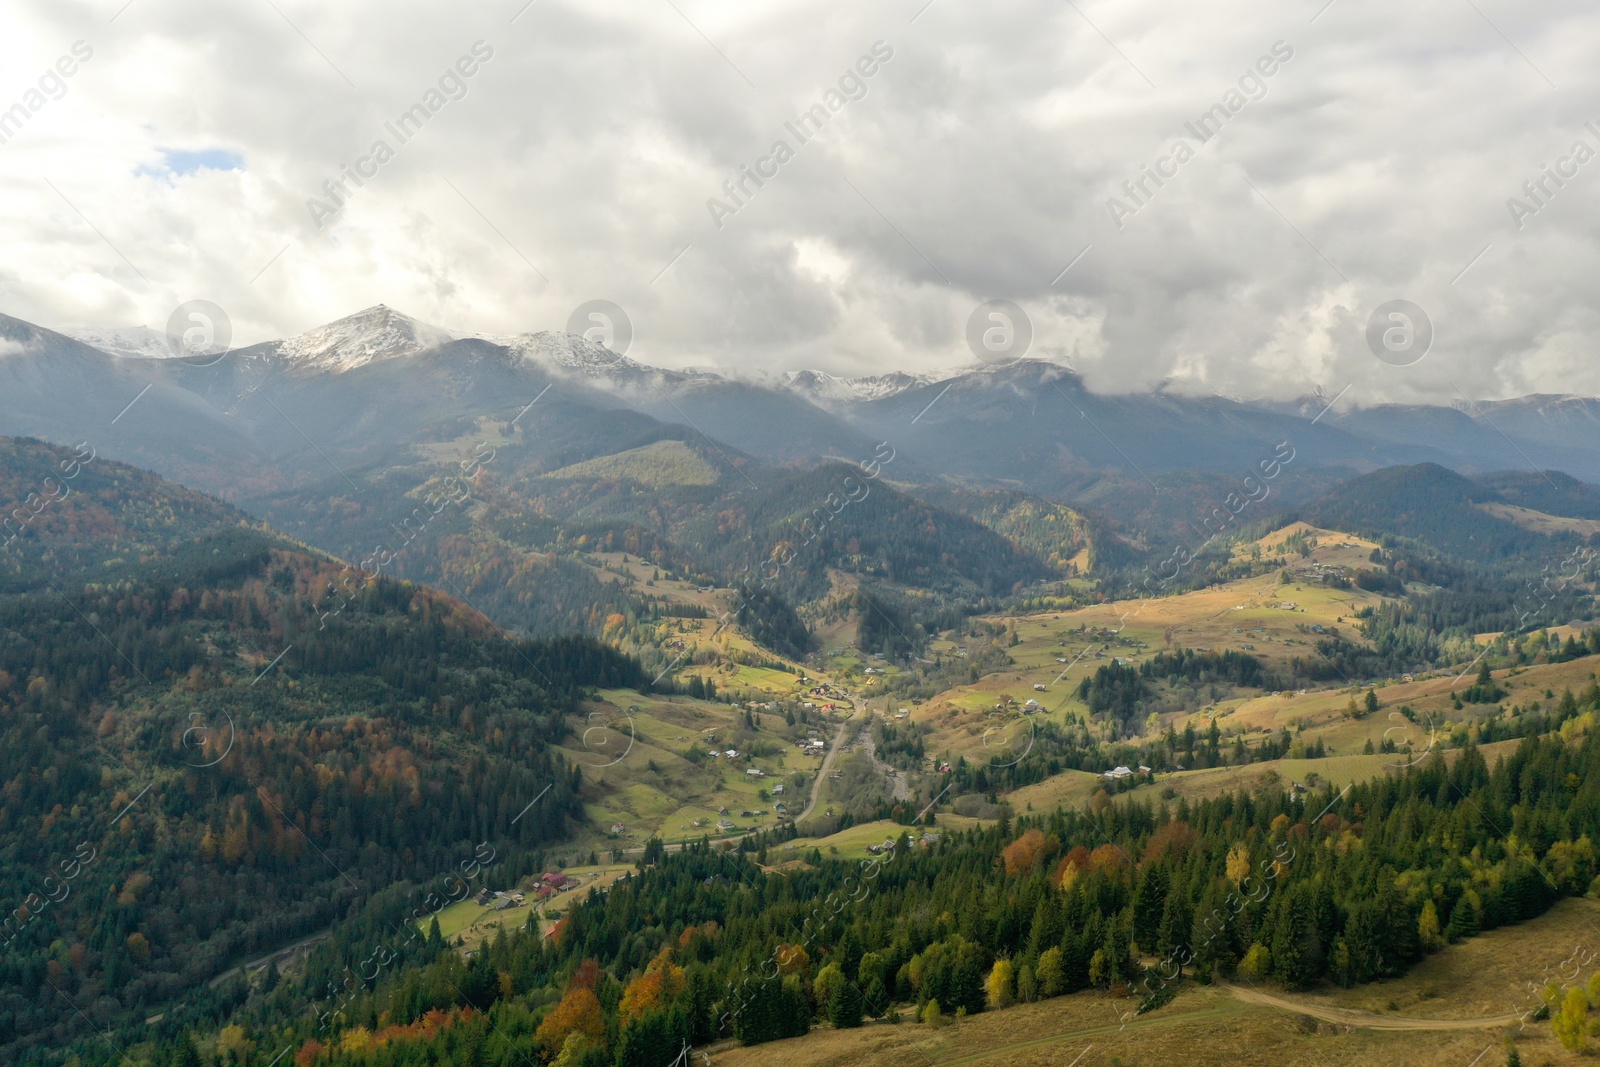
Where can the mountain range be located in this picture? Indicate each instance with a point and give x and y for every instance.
(971, 423)
(289, 633)
(339, 436)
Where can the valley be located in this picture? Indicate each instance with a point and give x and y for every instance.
(577, 534)
(521, 721)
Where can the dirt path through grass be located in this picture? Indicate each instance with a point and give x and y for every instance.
(1365, 1020)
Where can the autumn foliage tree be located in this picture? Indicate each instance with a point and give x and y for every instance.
(1023, 854)
(661, 981)
(1173, 839)
(578, 1013)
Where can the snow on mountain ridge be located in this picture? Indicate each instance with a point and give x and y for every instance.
(568, 352)
(126, 342)
(368, 336)
(825, 386)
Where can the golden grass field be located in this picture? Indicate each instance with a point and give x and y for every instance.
(1260, 616)
(1539, 522)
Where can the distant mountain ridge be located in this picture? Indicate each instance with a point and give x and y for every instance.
(1440, 508)
(379, 390)
(827, 387)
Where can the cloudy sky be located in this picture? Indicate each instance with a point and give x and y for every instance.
(978, 161)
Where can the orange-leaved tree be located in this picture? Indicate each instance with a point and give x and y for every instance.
(1024, 853)
(578, 1013)
(661, 981)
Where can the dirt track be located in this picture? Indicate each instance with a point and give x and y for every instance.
(1218, 1012)
(1364, 1020)
(822, 772)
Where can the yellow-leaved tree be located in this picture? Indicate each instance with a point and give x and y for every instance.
(1571, 1023)
(1238, 863)
(1002, 982)
(1429, 931)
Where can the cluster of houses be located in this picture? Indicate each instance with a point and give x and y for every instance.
(552, 883)
(499, 901)
(1117, 774)
(928, 840)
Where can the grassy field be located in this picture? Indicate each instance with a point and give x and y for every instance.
(657, 464)
(1261, 616)
(635, 770)
(1539, 522)
(474, 923)
(1455, 1009)
(852, 842)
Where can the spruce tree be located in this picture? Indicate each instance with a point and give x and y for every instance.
(844, 1006)
(1177, 922)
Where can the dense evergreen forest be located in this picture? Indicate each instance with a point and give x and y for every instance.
(236, 743)
(1288, 888)
(1431, 505)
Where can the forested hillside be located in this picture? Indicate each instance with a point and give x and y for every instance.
(499, 526)
(803, 522)
(79, 516)
(1434, 506)
(1277, 887)
(232, 742)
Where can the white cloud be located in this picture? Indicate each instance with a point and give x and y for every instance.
(980, 162)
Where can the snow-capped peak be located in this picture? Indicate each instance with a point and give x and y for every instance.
(824, 386)
(378, 333)
(128, 342)
(567, 352)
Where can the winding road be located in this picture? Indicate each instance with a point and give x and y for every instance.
(822, 772)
